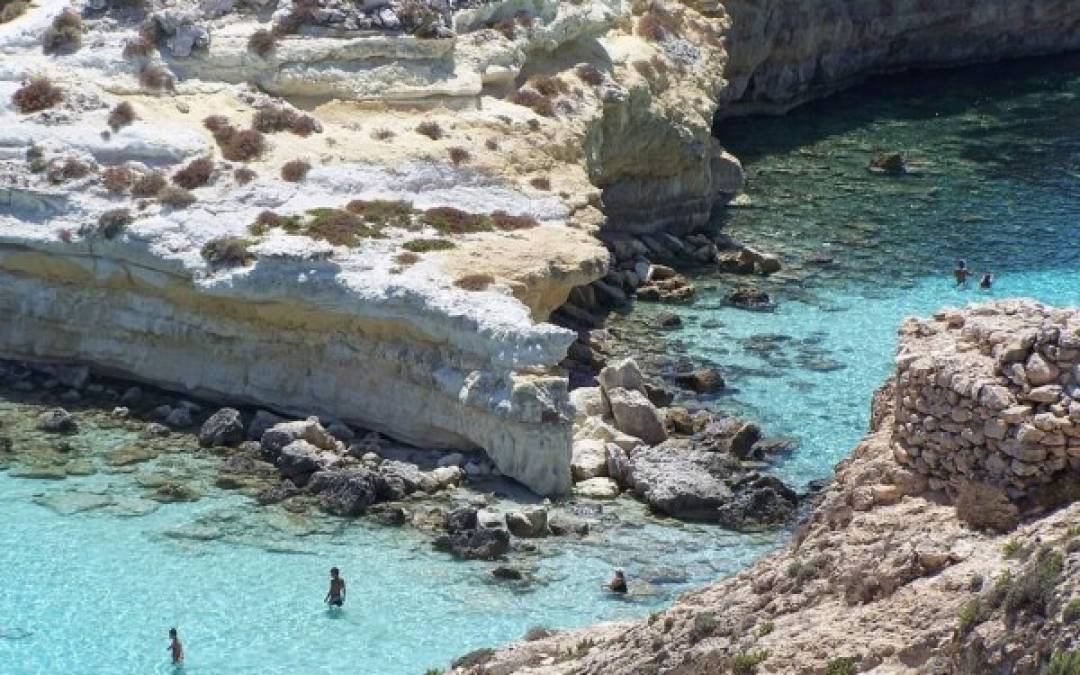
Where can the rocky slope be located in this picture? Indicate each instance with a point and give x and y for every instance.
(537, 123)
(896, 570)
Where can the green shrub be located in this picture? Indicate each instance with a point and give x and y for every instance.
(969, 615)
(704, 626)
(383, 212)
(426, 245)
(227, 251)
(844, 665)
(765, 628)
(804, 571)
(1034, 587)
(1071, 613)
(1011, 548)
(1064, 663)
(975, 583)
(502, 220)
(747, 662)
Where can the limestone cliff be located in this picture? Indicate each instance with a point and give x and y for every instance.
(535, 122)
(885, 575)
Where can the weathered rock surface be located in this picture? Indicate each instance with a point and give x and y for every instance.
(225, 427)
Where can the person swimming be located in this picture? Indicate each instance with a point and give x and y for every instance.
(175, 647)
(986, 282)
(961, 273)
(335, 597)
(617, 583)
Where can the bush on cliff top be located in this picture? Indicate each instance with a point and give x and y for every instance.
(1033, 588)
(427, 245)
(227, 251)
(121, 115)
(37, 94)
(64, 35)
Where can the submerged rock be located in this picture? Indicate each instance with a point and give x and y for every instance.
(703, 380)
(749, 297)
(891, 163)
(478, 544)
(57, 421)
(347, 492)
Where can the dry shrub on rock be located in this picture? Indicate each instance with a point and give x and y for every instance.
(459, 156)
(216, 124)
(157, 78)
(295, 170)
(148, 184)
(491, 144)
(589, 74)
(302, 12)
(240, 146)
(109, 224)
(37, 94)
(504, 221)
(117, 179)
(427, 245)
(430, 129)
(196, 174)
(657, 23)
(448, 220)
(272, 119)
(420, 19)
(121, 115)
(305, 125)
(9, 11)
(137, 48)
(227, 251)
(176, 197)
(548, 85)
(530, 98)
(474, 282)
(261, 42)
(505, 26)
(407, 258)
(68, 169)
(541, 183)
(64, 35)
(243, 175)
(382, 134)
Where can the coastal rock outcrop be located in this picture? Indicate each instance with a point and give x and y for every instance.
(885, 574)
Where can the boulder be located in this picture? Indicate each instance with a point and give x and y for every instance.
(300, 459)
(986, 507)
(758, 501)
(742, 442)
(223, 428)
(478, 544)
(57, 421)
(398, 480)
(674, 479)
(635, 415)
(624, 374)
(1040, 371)
(464, 518)
(618, 465)
(597, 488)
(749, 297)
(528, 523)
(448, 476)
(702, 380)
(309, 430)
(589, 459)
(346, 492)
(588, 402)
(262, 421)
(659, 273)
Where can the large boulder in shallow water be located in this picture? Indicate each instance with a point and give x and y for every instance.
(397, 480)
(636, 415)
(309, 430)
(682, 482)
(529, 522)
(300, 459)
(57, 421)
(702, 380)
(346, 492)
(478, 544)
(225, 427)
(758, 501)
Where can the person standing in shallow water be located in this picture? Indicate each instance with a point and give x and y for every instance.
(961, 273)
(986, 282)
(175, 648)
(617, 583)
(335, 597)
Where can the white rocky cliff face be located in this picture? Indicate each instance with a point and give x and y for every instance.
(505, 134)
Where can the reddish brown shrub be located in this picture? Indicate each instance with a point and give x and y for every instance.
(272, 119)
(406, 258)
(261, 42)
(64, 35)
(541, 183)
(196, 174)
(37, 94)
(176, 197)
(227, 252)
(240, 146)
(216, 123)
(305, 125)
(448, 220)
(244, 175)
(121, 115)
(156, 77)
(295, 170)
(504, 221)
(12, 10)
(474, 282)
(549, 86)
(382, 134)
(117, 179)
(430, 129)
(148, 184)
(589, 74)
(530, 98)
(459, 156)
(654, 25)
(137, 48)
(68, 169)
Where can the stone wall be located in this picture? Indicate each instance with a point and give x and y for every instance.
(990, 394)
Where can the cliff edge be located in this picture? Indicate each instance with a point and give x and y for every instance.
(902, 566)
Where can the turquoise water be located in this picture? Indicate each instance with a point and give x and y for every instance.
(996, 153)
(92, 574)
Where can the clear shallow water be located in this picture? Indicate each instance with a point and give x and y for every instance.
(94, 590)
(92, 575)
(996, 153)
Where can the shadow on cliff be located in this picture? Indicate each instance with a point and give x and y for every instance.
(996, 92)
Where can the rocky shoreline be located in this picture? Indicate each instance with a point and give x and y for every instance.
(898, 568)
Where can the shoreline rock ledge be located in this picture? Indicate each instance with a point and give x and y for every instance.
(929, 552)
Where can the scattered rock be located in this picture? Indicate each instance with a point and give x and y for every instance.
(635, 415)
(702, 380)
(528, 523)
(262, 421)
(507, 573)
(597, 488)
(749, 297)
(223, 428)
(347, 492)
(589, 459)
(478, 544)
